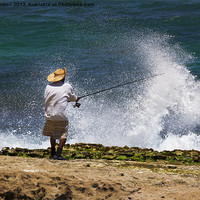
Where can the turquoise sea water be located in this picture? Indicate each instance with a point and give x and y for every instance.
(103, 44)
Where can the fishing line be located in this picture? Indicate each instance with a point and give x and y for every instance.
(113, 87)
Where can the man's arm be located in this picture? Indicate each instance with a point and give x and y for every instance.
(72, 96)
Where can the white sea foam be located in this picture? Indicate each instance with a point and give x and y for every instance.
(12, 141)
(164, 115)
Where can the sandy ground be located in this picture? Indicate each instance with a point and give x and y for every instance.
(33, 178)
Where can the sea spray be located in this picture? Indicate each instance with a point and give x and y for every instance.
(164, 116)
(103, 46)
(170, 108)
(160, 113)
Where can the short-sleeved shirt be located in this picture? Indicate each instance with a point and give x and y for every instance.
(56, 98)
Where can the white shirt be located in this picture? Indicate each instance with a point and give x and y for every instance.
(56, 97)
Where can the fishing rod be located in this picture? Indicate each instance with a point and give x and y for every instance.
(116, 86)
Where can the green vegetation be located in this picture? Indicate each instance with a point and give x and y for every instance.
(98, 151)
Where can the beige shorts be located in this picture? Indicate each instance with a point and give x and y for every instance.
(56, 129)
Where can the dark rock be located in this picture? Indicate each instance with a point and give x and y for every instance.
(95, 185)
(172, 167)
(81, 189)
(34, 155)
(67, 194)
(5, 149)
(98, 151)
(109, 157)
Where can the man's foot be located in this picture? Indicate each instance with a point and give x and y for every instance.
(51, 157)
(59, 158)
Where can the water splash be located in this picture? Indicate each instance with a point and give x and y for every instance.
(10, 139)
(169, 112)
(160, 113)
(165, 116)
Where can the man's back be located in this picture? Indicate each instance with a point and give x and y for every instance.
(56, 97)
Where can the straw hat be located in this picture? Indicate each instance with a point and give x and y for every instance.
(58, 75)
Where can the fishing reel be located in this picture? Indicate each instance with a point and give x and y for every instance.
(77, 105)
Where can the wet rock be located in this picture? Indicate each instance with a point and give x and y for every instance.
(172, 167)
(98, 151)
(121, 158)
(109, 157)
(5, 149)
(178, 152)
(95, 185)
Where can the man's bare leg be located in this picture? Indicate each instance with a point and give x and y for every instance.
(62, 143)
(59, 150)
(53, 149)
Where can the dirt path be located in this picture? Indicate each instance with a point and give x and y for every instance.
(33, 178)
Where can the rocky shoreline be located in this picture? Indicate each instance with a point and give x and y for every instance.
(95, 172)
(98, 151)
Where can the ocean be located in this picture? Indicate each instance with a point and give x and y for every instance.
(103, 44)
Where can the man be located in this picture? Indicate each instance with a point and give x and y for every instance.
(56, 97)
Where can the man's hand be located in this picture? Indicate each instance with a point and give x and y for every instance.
(78, 98)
